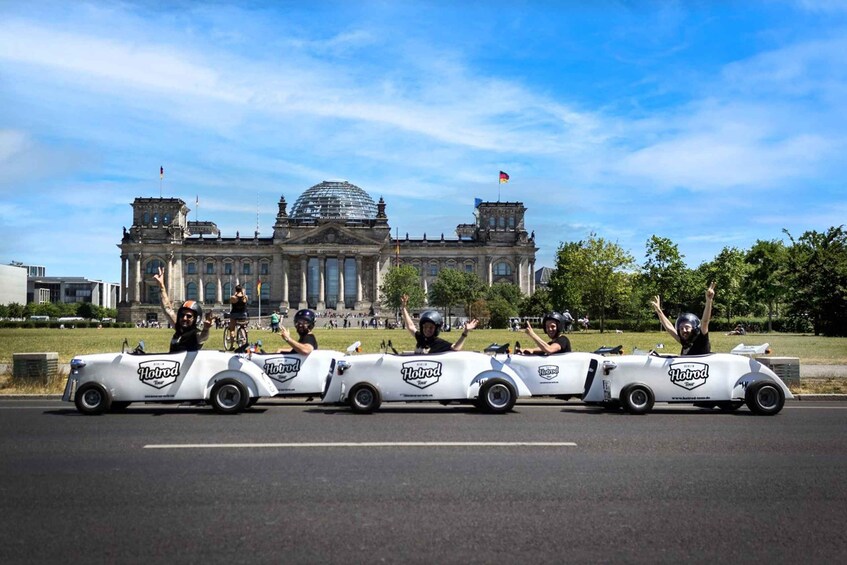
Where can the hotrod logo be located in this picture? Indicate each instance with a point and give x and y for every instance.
(689, 375)
(421, 373)
(548, 372)
(158, 374)
(282, 369)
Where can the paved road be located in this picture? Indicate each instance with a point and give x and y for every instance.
(677, 484)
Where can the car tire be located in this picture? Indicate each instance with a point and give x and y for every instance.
(764, 398)
(119, 405)
(364, 398)
(251, 402)
(92, 399)
(228, 397)
(498, 396)
(637, 399)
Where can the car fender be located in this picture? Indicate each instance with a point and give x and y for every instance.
(740, 389)
(521, 388)
(257, 383)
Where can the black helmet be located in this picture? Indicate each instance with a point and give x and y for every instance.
(556, 317)
(194, 306)
(689, 318)
(307, 315)
(433, 317)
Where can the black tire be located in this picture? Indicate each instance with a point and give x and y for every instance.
(764, 398)
(119, 405)
(229, 342)
(252, 402)
(637, 399)
(497, 396)
(229, 397)
(92, 399)
(364, 398)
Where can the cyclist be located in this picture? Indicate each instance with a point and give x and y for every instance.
(304, 323)
(238, 311)
(187, 335)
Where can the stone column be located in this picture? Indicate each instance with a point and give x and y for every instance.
(340, 304)
(136, 282)
(375, 295)
(284, 303)
(359, 304)
(321, 283)
(124, 266)
(532, 277)
(304, 264)
(219, 290)
(489, 276)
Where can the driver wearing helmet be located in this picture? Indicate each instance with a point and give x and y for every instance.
(304, 323)
(689, 330)
(188, 336)
(554, 324)
(427, 340)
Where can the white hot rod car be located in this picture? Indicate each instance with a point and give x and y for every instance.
(364, 382)
(111, 381)
(717, 380)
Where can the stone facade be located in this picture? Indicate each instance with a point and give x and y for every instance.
(325, 263)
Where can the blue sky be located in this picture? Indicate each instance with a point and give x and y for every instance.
(711, 123)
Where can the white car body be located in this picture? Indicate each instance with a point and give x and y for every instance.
(561, 375)
(721, 380)
(230, 382)
(294, 374)
(365, 381)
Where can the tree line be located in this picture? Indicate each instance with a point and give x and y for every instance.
(802, 284)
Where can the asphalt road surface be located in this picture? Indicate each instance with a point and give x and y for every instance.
(294, 482)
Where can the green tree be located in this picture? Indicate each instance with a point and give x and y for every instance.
(16, 310)
(817, 278)
(765, 281)
(400, 280)
(537, 304)
(453, 287)
(509, 292)
(594, 273)
(500, 311)
(665, 273)
(728, 271)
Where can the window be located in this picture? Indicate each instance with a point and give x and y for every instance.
(263, 269)
(502, 222)
(166, 220)
(227, 292)
(492, 222)
(511, 222)
(433, 269)
(155, 218)
(227, 268)
(152, 267)
(210, 268)
(245, 269)
(502, 269)
(191, 291)
(469, 267)
(209, 292)
(191, 268)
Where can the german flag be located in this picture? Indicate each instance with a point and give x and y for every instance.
(504, 177)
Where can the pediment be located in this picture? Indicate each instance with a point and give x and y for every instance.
(335, 235)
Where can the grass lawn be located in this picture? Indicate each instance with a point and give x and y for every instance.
(810, 349)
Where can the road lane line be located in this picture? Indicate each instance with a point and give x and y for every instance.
(365, 444)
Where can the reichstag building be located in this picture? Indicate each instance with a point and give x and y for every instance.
(330, 251)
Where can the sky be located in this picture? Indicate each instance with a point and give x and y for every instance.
(714, 124)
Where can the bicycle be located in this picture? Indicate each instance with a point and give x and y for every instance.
(240, 338)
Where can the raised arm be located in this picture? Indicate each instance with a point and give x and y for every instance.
(296, 346)
(543, 347)
(461, 341)
(669, 327)
(163, 294)
(707, 310)
(407, 319)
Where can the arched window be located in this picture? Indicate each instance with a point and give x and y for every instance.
(152, 267)
(191, 291)
(502, 222)
(227, 292)
(166, 219)
(502, 269)
(155, 218)
(210, 289)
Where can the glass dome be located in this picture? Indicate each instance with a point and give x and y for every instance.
(335, 199)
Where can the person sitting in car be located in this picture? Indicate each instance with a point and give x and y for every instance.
(304, 323)
(427, 340)
(553, 324)
(188, 336)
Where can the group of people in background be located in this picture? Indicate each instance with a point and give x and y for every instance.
(190, 333)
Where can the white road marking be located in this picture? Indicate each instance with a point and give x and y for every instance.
(366, 444)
